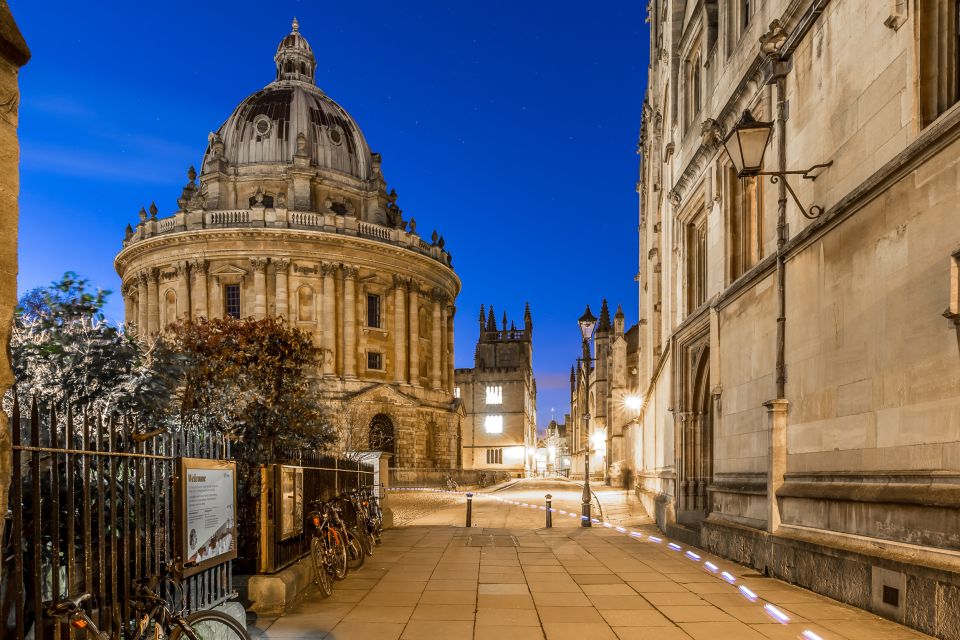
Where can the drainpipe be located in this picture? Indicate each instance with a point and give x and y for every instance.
(781, 83)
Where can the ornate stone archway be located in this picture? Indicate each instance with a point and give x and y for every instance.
(382, 436)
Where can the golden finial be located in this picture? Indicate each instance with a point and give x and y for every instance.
(296, 25)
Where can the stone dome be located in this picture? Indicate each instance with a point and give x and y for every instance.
(292, 116)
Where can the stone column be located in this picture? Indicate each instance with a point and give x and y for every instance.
(259, 287)
(282, 266)
(198, 271)
(349, 321)
(399, 329)
(142, 304)
(451, 383)
(329, 320)
(414, 300)
(183, 291)
(444, 357)
(777, 457)
(128, 309)
(436, 336)
(153, 301)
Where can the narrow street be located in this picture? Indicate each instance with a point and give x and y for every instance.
(509, 577)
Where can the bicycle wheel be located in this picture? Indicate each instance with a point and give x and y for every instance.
(336, 538)
(355, 554)
(321, 574)
(210, 625)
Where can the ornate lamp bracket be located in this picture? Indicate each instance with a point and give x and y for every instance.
(814, 211)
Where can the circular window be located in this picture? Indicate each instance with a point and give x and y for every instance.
(262, 125)
(335, 136)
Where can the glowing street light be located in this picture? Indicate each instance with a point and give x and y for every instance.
(633, 402)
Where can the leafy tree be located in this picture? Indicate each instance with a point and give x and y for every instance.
(251, 379)
(63, 348)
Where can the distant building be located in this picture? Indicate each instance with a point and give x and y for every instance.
(499, 396)
(613, 380)
(290, 216)
(556, 447)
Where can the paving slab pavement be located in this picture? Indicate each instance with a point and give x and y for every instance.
(508, 577)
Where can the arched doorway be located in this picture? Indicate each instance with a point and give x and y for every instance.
(382, 436)
(696, 445)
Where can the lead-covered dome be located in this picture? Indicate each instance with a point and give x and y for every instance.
(292, 116)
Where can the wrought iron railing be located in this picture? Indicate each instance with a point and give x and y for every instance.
(91, 510)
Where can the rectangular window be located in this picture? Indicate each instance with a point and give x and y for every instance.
(231, 300)
(373, 310)
(696, 247)
(495, 394)
(375, 360)
(493, 424)
(456, 392)
(744, 223)
(494, 456)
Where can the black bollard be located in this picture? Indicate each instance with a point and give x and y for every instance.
(549, 511)
(469, 509)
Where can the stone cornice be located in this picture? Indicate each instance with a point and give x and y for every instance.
(203, 237)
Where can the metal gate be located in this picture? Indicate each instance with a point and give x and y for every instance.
(92, 509)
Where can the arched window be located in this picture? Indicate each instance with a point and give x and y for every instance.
(382, 437)
(170, 306)
(303, 68)
(288, 68)
(305, 304)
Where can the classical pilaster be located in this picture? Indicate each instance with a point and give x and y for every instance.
(438, 297)
(329, 319)
(198, 288)
(349, 321)
(143, 295)
(259, 287)
(153, 301)
(282, 274)
(776, 456)
(183, 290)
(414, 299)
(400, 328)
(215, 307)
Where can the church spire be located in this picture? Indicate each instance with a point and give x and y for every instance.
(604, 324)
(527, 319)
(491, 320)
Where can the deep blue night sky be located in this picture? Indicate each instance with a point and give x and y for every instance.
(510, 127)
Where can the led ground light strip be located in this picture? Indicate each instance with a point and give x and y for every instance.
(776, 614)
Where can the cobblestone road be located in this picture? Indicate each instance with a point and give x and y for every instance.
(509, 578)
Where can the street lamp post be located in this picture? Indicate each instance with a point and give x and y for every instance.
(587, 324)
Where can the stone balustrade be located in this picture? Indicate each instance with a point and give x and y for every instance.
(260, 217)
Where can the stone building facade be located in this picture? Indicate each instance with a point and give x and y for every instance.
(290, 216)
(14, 53)
(499, 396)
(610, 434)
(801, 373)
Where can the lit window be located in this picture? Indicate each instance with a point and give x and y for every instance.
(456, 392)
(495, 395)
(375, 360)
(373, 310)
(231, 300)
(493, 424)
(494, 456)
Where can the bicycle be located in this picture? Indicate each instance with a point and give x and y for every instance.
(155, 619)
(328, 547)
(374, 514)
(451, 483)
(348, 519)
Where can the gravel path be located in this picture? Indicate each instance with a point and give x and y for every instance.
(409, 506)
